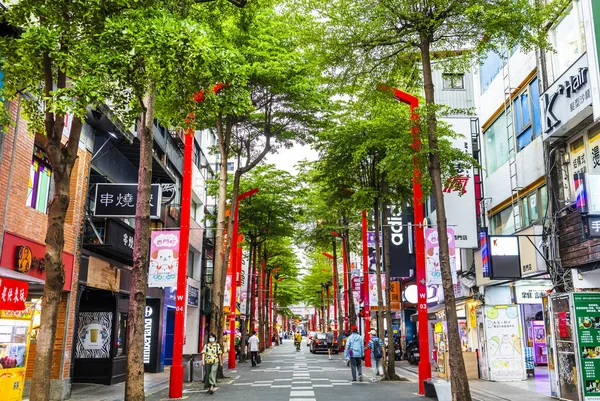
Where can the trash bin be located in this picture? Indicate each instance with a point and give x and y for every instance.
(443, 390)
(187, 368)
(197, 368)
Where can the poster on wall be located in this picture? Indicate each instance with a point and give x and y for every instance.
(373, 290)
(93, 337)
(432, 256)
(504, 343)
(227, 294)
(587, 322)
(164, 258)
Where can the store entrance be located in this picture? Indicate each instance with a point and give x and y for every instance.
(536, 352)
(169, 336)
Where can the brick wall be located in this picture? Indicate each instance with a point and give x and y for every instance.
(30, 223)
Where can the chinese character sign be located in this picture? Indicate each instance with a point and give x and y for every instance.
(13, 294)
(119, 200)
(164, 259)
(432, 256)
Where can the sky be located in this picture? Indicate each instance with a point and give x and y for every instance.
(286, 159)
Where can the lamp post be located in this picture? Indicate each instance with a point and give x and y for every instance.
(366, 306)
(176, 377)
(424, 363)
(345, 267)
(234, 273)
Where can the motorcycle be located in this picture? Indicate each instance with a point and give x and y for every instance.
(397, 352)
(412, 352)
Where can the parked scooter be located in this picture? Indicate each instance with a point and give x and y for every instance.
(412, 352)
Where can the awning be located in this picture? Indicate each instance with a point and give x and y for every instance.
(15, 275)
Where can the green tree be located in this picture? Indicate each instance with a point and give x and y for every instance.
(381, 42)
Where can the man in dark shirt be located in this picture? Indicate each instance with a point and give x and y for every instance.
(329, 340)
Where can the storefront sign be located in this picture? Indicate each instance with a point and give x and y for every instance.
(151, 326)
(192, 296)
(119, 200)
(13, 294)
(504, 258)
(400, 244)
(432, 256)
(164, 258)
(530, 294)
(485, 253)
(168, 193)
(587, 315)
(93, 336)
(395, 296)
(564, 102)
(24, 257)
(101, 274)
(504, 343)
(120, 238)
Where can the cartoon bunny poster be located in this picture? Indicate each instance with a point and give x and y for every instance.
(164, 259)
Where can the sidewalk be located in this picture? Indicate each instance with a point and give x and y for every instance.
(484, 390)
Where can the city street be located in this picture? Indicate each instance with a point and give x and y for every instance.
(286, 374)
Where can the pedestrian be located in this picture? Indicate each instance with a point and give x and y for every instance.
(355, 351)
(376, 347)
(253, 347)
(297, 340)
(329, 338)
(212, 358)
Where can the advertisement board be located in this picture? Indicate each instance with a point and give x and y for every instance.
(587, 323)
(164, 258)
(432, 256)
(373, 290)
(400, 243)
(504, 343)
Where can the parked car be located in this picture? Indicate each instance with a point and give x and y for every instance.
(311, 335)
(319, 344)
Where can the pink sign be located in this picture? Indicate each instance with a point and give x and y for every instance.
(164, 258)
(432, 255)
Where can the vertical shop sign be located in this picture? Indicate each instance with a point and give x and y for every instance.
(504, 343)
(164, 258)
(151, 326)
(395, 296)
(587, 322)
(373, 290)
(432, 256)
(400, 244)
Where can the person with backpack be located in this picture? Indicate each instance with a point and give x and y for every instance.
(354, 352)
(376, 347)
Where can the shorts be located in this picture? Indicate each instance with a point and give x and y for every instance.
(329, 345)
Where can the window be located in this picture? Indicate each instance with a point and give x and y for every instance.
(496, 144)
(503, 222)
(190, 266)
(527, 115)
(568, 40)
(488, 70)
(121, 348)
(533, 211)
(453, 81)
(40, 180)
(230, 167)
(197, 158)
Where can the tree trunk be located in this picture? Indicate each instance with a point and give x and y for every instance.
(274, 323)
(220, 268)
(351, 306)
(62, 159)
(390, 357)
(134, 385)
(338, 300)
(380, 329)
(458, 378)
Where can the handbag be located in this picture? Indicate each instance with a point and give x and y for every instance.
(258, 360)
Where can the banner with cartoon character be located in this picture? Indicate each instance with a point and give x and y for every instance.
(164, 258)
(503, 335)
(432, 256)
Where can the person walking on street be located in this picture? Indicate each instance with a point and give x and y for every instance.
(376, 347)
(212, 358)
(354, 352)
(329, 336)
(253, 347)
(297, 340)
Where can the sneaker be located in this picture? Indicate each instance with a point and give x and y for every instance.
(360, 378)
(353, 380)
(373, 380)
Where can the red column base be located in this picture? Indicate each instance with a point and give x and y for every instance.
(176, 382)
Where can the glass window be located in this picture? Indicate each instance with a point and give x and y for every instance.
(527, 115)
(496, 144)
(190, 266)
(534, 91)
(543, 202)
(568, 40)
(488, 70)
(503, 222)
(453, 81)
(121, 334)
(40, 180)
(532, 202)
(525, 138)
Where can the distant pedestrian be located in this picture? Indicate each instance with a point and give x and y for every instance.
(253, 347)
(376, 347)
(329, 337)
(355, 351)
(212, 358)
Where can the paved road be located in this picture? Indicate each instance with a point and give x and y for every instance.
(288, 375)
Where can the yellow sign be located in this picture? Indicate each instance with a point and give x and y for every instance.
(24, 259)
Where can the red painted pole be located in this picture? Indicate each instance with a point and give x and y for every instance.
(424, 363)
(346, 319)
(271, 310)
(176, 377)
(366, 307)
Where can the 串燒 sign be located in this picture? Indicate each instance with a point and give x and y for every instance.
(119, 200)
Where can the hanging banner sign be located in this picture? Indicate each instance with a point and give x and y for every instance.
(373, 290)
(400, 244)
(13, 294)
(587, 322)
(164, 258)
(432, 256)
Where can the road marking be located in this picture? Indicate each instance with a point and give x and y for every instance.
(261, 385)
(282, 380)
(281, 386)
(323, 385)
(302, 388)
(302, 394)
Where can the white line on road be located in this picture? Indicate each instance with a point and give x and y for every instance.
(302, 394)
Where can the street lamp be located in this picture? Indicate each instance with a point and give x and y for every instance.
(234, 272)
(424, 363)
